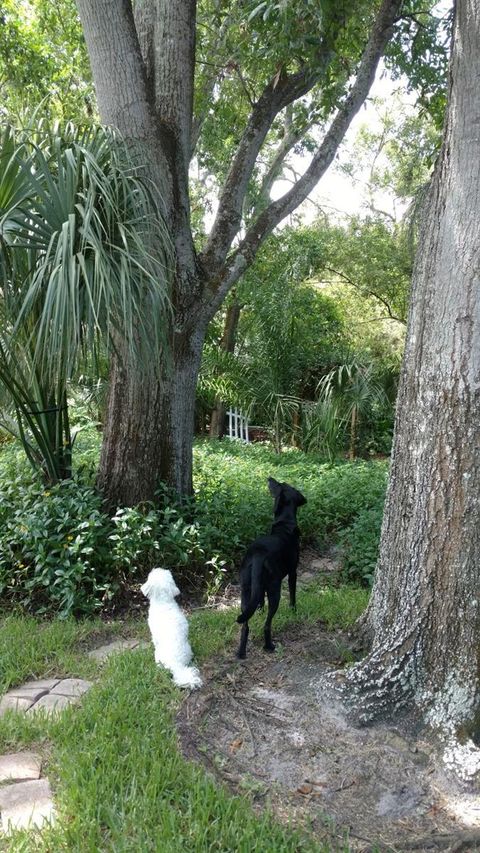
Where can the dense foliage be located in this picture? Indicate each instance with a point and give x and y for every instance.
(60, 552)
(43, 59)
(307, 311)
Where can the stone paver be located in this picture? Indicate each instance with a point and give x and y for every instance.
(41, 684)
(27, 801)
(51, 695)
(104, 652)
(27, 692)
(71, 687)
(14, 703)
(20, 766)
(26, 805)
(52, 704)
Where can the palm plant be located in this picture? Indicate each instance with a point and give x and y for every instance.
(84, 258)
(349, 391)
(322, 426)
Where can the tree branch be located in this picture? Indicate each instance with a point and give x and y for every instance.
(166, 31)
(277, 94)
(124, 96)
(367, 290)
(290, 139)
(282, 207)
(120, 76)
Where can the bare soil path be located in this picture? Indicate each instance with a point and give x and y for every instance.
(264, 724)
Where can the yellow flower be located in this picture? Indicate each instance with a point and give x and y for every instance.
(69, 538)
(46, 494)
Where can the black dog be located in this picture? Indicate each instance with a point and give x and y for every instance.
(267, 561)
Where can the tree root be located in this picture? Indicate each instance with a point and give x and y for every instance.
(370, 692)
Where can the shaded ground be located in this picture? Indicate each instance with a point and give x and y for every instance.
(261, 724)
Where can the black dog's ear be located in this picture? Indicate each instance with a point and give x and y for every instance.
(275, 487)
(301, 500)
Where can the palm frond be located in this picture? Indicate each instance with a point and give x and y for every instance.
(85, 260)
(99, 249)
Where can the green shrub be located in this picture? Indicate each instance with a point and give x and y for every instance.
(231, 486)
(359, 544)
(54, 551)
(59, 551)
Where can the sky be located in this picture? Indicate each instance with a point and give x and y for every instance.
(337, 193)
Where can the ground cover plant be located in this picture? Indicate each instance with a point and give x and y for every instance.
(61, 553)
(113, 793)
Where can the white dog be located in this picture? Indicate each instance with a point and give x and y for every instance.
(169, 628)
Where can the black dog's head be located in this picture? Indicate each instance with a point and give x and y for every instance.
(284, 494)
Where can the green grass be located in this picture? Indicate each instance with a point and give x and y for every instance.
(213, 631)
(32, 648)
(120, 781)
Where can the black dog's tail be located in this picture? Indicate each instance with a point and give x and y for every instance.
(257, 590)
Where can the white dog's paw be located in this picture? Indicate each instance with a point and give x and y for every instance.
(187, 676)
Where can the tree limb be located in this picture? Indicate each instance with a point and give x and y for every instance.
(277, 94)
(120, 76)
(282, 207)
(166, 31)
(384, 302)
(290, 139)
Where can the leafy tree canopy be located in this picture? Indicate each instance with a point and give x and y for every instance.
(43, 57)
(243, 45)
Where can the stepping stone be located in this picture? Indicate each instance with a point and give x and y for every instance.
(104, 652)
(42, 684)
(19, 766)
(26, 805)
(14, 703)
(24, 692)
(52, 703)
(72, 687)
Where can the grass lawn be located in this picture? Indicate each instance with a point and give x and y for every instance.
(119, 780)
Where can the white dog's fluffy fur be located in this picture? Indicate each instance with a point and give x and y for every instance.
(169, 629)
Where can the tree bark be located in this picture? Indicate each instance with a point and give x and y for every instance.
(424, 614)
(227, 344)
(149, 430)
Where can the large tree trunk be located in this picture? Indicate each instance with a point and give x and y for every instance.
(148, 434)
(143, 71)
(424, 615)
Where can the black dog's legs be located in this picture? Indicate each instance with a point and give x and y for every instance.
(292, 588)
(273, 601)
(242, 649)
(245, 599)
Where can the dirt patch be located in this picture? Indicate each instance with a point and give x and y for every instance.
(263, 724)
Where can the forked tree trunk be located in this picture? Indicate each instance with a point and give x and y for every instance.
(143, 61)
(424, 615)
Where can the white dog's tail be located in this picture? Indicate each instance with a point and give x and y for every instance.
(187, 676)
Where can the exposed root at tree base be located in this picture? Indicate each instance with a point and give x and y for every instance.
(263, 726)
